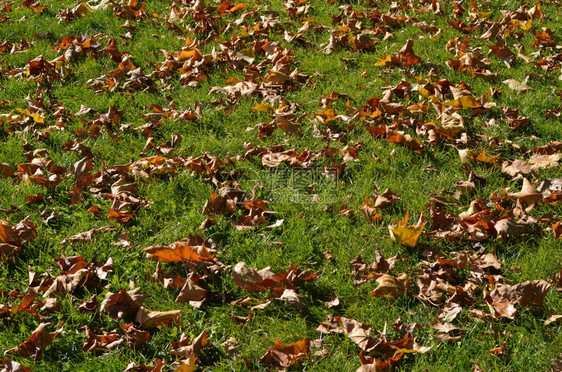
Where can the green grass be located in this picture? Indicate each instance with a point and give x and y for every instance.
(309, 229)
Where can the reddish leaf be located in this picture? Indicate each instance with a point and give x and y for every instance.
(36, 343)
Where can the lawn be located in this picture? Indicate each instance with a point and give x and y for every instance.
(303, 185)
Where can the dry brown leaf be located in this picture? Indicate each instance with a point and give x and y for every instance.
(282, 356)
(369, 211)
(123, 303)
(101, 342)
(498, 350)
(519, 87)
(135, 337)
(528, 196)
(385, 199)
(90, 306)
(502, 300)
(185, 349)
(390, 286)
(157, 365)
(404, 57)
(88, 235)
(192, 293)
(149, 319)
(12, 366)
(36, 343)
(192, 249)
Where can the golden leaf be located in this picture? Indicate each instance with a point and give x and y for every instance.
(401, 233)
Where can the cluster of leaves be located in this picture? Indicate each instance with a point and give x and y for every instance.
(445, 262)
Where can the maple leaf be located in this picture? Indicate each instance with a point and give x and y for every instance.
(553, 319)
(259, 280)
(385, 199)
(189, 350)
(557, 229)
(502, 300)
(101, 342)
(401, 233)
(392, 287)
(149, 319)
(528, 196)
(36, 343)
(88, 235)
(157, 366)
(519, 87)
(498, 350)
(135, 337)
(363, 272)
(123, 303)
(282, 356)
(404, 57)
(192, 293)
(120, 216)
(89, 306)
(191, 249)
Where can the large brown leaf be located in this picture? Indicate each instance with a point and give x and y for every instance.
(502, 300)
(36, 343)
(101, 342)
(149, 319)
(282, 356)
(192, 249)
(186, 349)
(123, 303)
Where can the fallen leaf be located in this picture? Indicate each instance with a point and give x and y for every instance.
(404, 57)
(557, 318)
(385, 199)
(122, 304)
(403, 234)
(186, 349)
(528, 196)
(502, 299)
(390, 286)
(520, 87)
(282, 356)
(135, 337)
(88, 235)
(498, 350)
(36, 343)
(191, 249)
(12, 366)
(101, 342)
(149, 319)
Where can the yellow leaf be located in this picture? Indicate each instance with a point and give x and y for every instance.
(484, 15)
(401, 233)
(463, 102)
(190, 367)
(262, 107)
(423, 92)
(36, 117)
(469, 102)
(524, 25)
(82, 9)
(384, 61)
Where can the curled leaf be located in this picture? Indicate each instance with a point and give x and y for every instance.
(403, 234)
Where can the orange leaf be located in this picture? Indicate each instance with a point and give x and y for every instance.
(237, 7)
(179, 251)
